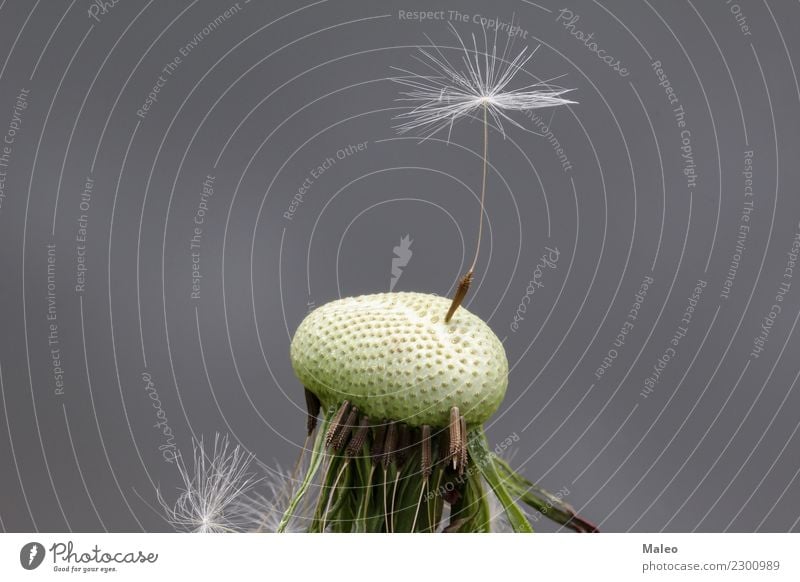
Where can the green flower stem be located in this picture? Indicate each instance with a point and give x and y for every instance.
(317, 454)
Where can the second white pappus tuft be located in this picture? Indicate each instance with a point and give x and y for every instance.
(213, 489)
(226, 489)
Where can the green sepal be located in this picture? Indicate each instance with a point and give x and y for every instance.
(549, 505)
(483, 459)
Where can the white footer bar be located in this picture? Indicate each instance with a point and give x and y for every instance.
(330, 557)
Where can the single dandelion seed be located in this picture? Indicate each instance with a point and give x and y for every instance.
(476, 84)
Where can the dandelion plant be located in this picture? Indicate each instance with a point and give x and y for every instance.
(399, 385)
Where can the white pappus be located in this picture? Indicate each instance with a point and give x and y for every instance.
(448, 91)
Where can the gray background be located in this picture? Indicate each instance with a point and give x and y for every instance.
(280, 86)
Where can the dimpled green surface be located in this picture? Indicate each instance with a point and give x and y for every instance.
(392, 356)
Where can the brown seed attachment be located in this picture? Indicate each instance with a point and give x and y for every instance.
(359, 438)
(425, 455)
(454, 437)
(343, 434)
(336, 423)
(444, 444)
(461, 293)
(403, 444)
(462, 456)
(312, 407)
(376, 452)
(390, 445)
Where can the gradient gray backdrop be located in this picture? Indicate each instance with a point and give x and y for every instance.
(263, 98)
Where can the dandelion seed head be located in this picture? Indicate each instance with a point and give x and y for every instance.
(451, 89)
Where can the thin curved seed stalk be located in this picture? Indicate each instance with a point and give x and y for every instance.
(419, 504)
(326, 486)
(483, 186)
(385, 501)
(331, 494)
(407, 494)
(394, 496)
(430, 508)
(365, 509)
(317, 453)
(361, 492)
(466, 281)
(341, 520)
(438, 502)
